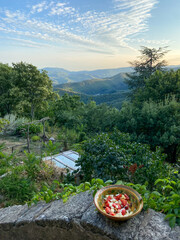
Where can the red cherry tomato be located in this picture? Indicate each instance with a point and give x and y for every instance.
(112, 214)
(108, 210)
(123, 212)
(127, 197)
(124, 202)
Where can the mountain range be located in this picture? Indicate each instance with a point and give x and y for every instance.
(102, 86)
(61, 75)
(97, 86)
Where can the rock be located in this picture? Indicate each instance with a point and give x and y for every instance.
(79, 219)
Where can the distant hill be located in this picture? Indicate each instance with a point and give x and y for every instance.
(60, 75)
(97, 86)
(112, 99)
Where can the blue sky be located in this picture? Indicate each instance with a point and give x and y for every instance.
(87, 34)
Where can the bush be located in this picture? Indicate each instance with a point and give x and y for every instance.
(156, 124)
(35, 138)
(113, 156)
(16, 189)
(21, 130)
(12, 123)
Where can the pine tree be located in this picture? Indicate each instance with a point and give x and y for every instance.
(150, 61)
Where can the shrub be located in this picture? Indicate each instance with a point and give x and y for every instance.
(35, 138)
(33, 129)
(13, 122)
(113, 156)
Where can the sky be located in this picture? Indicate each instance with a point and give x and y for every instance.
(87, 34)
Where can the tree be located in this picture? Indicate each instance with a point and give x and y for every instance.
(150, 61)
(67, 111)
(154, 123)
(6, 100)
(159, 86)
(31, 88)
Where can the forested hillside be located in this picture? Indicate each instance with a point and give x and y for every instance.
(113, 99)
(60, 75)
(97, 86)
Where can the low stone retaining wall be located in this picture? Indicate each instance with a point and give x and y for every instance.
(78, 220)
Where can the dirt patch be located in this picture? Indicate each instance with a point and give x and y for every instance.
(18, 145)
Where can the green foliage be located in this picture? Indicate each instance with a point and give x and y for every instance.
(52, 148)
(18, 185)
(3, 123)
(153, 123)
(66, 111)
(21, 129)
(12, 123)
(165, 198)
(35, 138)
(159, 86)
(16, 188)
(112, 99)
(48, 193)
(32, 165)
(113, 156)
(31, 89)
(150, 61)
(6, 100)
(68, 137)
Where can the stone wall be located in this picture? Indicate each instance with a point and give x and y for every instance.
(78, 220)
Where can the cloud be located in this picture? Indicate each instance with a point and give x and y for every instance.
(61, 9)
(28, 43)
(95, 31)
(40, 7)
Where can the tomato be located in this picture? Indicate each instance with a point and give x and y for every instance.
(123, 212)
(114, 205)
(108, 198)
(112, 214)
(126, 196)
(127, 207)
(118, 197)
(124, 202)
(108, 210)
(107, 204)
(118, 206)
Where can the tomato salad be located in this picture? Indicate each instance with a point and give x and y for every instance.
(118, 205)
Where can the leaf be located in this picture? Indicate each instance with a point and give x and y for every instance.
(119, 182)
(176, 196)
(176, 211)
(108, 182)
(155, 194)
(172, 222)
(87, 184)
(100, 181)
(159, 181)
(168, 187)
(169, 216)
(93, 181)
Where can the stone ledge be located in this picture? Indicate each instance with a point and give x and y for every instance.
(78, 219)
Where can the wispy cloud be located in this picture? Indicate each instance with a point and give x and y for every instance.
(105, 31)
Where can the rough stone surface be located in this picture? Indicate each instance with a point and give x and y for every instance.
(78, 219)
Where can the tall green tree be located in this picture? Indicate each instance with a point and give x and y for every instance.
(150, 61)
(66, 111)
(6, 100)
(31, 88)
(159, 86)
(157, 124)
